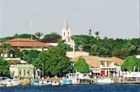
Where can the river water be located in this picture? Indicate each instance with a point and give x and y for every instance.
(76, 88)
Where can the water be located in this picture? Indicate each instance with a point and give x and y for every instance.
(76, 88)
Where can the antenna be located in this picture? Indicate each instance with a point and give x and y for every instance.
(139, 18)
(31, 27)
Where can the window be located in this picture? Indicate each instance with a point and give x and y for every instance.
(19, 72)
(102, 63)
(64, 33)
(28, 72)
(24, 72)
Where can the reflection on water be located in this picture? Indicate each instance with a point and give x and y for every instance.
(76, 88)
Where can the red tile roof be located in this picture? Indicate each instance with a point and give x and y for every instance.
(25, 42)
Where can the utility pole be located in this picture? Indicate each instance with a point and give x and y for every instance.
(139, 18)
(31, 27)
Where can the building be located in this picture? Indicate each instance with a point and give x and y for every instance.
(52, 41)
(19, 68)
(27, 44)
(118, 62)
(101, 66)
(74, 54)
(5, 52)
(66, 34)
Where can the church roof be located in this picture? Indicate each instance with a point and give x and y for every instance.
(25, 42)
(66, 26)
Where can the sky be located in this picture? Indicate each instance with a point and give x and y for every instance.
(111, 18)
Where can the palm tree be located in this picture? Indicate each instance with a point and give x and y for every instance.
(39, 34)
(97, 34)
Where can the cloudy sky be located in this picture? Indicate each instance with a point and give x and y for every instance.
(112, 18)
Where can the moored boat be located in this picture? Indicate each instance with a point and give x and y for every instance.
(35, 82)
(2, 85)
(55, 83)
(105, 81)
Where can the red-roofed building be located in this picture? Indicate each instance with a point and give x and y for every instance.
(27, 44)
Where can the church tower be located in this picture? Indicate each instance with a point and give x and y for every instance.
(66, 35)
(66, 32)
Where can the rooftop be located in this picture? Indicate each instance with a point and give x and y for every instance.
(25, 42)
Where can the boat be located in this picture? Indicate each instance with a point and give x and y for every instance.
(35, 82)
(15, 82)
(55, 83)
(105, 81)
(9, 82)
(2, 85)
(66, 81)
(131, 74)
(47, 82)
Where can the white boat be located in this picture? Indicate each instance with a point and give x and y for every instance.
(2, 85)
(35, 82)
(47, 82)
(131, 74)
(55, 83)
(105, 81)
(15, 82)
(9, 82)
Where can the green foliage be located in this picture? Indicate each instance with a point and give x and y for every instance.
(137, 65)
(81, 66)
(4, 39)
(129, 63)
(85, 41)
(29, 55)
(25, 36)
(64, 46)
(4, 45)
(52, 35)
(32, 55)
(39, 34)
(97, 34)
(108, 46)
(4, 66)
(55, 61)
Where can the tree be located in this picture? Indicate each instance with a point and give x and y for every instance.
(41, 60)
(55, 61)
(64, 46)
(5, 39)
(7, 46)
(15, 35)
(39, 34)
(25, 36)
(81, 66)
(32, 55)
(137, 65)
(4, 66)
(97, 35)
(52, 35)
(129, 63)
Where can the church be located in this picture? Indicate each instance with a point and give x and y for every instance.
(66, 35)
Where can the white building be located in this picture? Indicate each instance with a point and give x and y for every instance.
(66, 34)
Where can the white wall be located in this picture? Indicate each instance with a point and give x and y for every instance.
(72, 54)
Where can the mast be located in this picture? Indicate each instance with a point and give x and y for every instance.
(31, 27)
(139, 18)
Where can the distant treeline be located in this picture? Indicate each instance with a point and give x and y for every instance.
(105, 47)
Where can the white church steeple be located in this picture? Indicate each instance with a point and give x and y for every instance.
(66, 32)
(66, 35)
